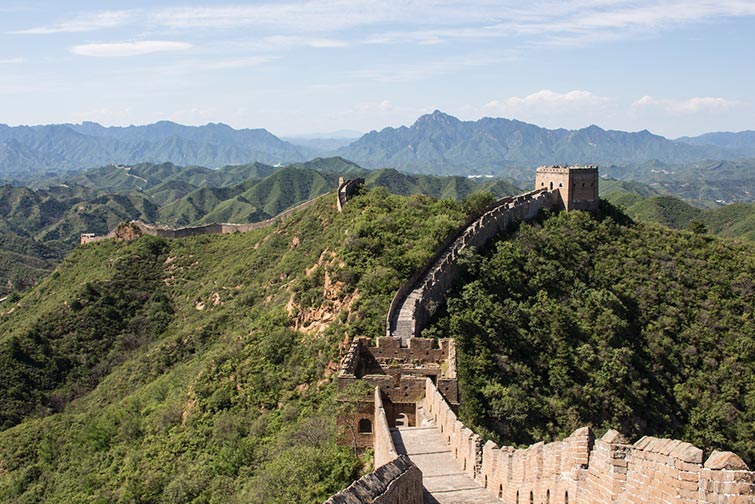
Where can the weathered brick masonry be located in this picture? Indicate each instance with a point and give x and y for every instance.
(582, 469)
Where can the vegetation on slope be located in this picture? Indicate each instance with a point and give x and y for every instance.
(37, 228)
(628, 326)
(200, 369)
(736, 220)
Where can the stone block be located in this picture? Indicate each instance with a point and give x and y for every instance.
(725, 460)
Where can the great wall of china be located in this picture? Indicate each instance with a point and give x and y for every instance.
(455, 465)
(346, 189)
(424, 453)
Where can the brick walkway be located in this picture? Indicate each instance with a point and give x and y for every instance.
(443, 479)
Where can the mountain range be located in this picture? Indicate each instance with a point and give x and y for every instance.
(436, 143)
(440, 143)
(27, 151)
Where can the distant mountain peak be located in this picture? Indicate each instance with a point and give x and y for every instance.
(437, 117)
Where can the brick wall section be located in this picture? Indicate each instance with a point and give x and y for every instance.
(385, 451)
(596, 471)
(347, 189)
(397, 482)
(414, 303)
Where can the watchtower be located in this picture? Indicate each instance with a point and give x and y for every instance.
(577, 185)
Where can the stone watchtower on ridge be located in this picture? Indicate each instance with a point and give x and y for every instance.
(577, 185)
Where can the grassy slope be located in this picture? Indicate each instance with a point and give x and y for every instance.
(232, 402)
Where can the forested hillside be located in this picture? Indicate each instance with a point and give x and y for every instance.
(635, 327)
(200, 369)
(38, 227)
(736, 220)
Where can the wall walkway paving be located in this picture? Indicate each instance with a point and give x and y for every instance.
(443, 479)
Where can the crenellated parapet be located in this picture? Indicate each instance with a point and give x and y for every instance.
(581, 468)
(417, 300)
(397, 482)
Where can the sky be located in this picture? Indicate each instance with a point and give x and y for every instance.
(678, 67)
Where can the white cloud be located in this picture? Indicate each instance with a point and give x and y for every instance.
(587, 21)
(118, 49)
(325, 43)
(88, 22)
(547, 99)
(11, 61)
(242, 62)
(570, 22)
(313, 15)
(689, 106)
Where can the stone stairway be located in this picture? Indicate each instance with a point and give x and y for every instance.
(443, 480)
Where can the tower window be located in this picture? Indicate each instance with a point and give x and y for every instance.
(365, 426)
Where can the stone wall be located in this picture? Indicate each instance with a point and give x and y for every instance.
(400, 374)
(347, 189)
(416, 301)
(397, 482)
(581, 468)
(385, 450)
(212, 229)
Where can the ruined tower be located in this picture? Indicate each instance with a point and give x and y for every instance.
(577, 185)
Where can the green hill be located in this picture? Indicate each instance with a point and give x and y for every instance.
(38, 228)
(736, 220)
(456, 188)
(201, 369)
(179, 196)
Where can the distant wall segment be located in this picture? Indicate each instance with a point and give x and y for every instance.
(347, 189)
(415, 302)
(138, 227)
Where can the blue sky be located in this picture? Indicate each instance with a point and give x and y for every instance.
(297, 67)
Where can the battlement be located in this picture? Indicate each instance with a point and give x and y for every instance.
(577, 185)
(399, 373)
(582, 468)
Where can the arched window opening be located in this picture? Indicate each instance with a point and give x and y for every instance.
(465, 465)
(486, 481)
(547, 497)
(532, 497)
(551, 184)
(566, 497)
(500, 491)
(365, 426)
(517, 497)
(560, 184)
